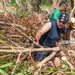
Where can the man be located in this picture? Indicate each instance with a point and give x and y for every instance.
(62, 8)
(49, 35)
(55, 14)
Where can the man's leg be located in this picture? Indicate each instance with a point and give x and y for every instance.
(57, 61)
(39, 56)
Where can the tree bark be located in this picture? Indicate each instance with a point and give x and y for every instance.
(36, 4)
(72, 3)
(54, 3)
(25, 50)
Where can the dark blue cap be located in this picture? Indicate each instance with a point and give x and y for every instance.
(64, 17)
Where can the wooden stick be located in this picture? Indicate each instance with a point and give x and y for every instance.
(46, 59)
(16, 25)
(72, 12)
(13, 71)
(69, 64)
(28, 50)
(71, 53)
(4, 56)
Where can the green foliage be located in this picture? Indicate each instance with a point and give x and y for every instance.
(23, 68)
(63, 62)
(44, 6)
(6, 65)
(46, 2)
(20, 12)
(3, 72)
(52, 69)
(2, 67)
(65, 67)
(1, 41)
(12, 3)
(72, 74)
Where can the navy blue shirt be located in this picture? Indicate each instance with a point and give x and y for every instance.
(53, 35)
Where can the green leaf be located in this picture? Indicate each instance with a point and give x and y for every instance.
(56, 69)
(72, 74)
(3, 72)
(6, 65)
(63, 62)
(50, 69)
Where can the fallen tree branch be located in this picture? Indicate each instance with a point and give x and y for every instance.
(4, 56)
(28, 50)
(8, 41)
(16, 25)
(72, 12)
(47, 10)
(71, 53)
(18, 59)
(46, 59)
(69, 64)
(51, 56)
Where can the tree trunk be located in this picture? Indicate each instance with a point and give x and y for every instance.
(58, 2)
(72, 3)
(36, 4)
(67, 35)
(54, 5)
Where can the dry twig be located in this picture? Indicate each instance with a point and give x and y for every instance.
(69, 64)
(25, 50)
(16, 63)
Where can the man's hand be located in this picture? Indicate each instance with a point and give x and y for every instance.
(36, 42)
(57, 43)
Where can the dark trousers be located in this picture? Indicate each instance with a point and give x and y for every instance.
(39, 56)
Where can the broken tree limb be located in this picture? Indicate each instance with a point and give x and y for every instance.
(51, 56)
(17, 50)
(69, 64)
(46, 59)
(47, 10)
(72, 12)
(18, 59)
(16, 25)
(71, 53)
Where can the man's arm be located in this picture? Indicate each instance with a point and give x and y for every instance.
(42, 31)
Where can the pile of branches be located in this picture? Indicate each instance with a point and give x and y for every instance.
(20, 29)
(15, 31)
